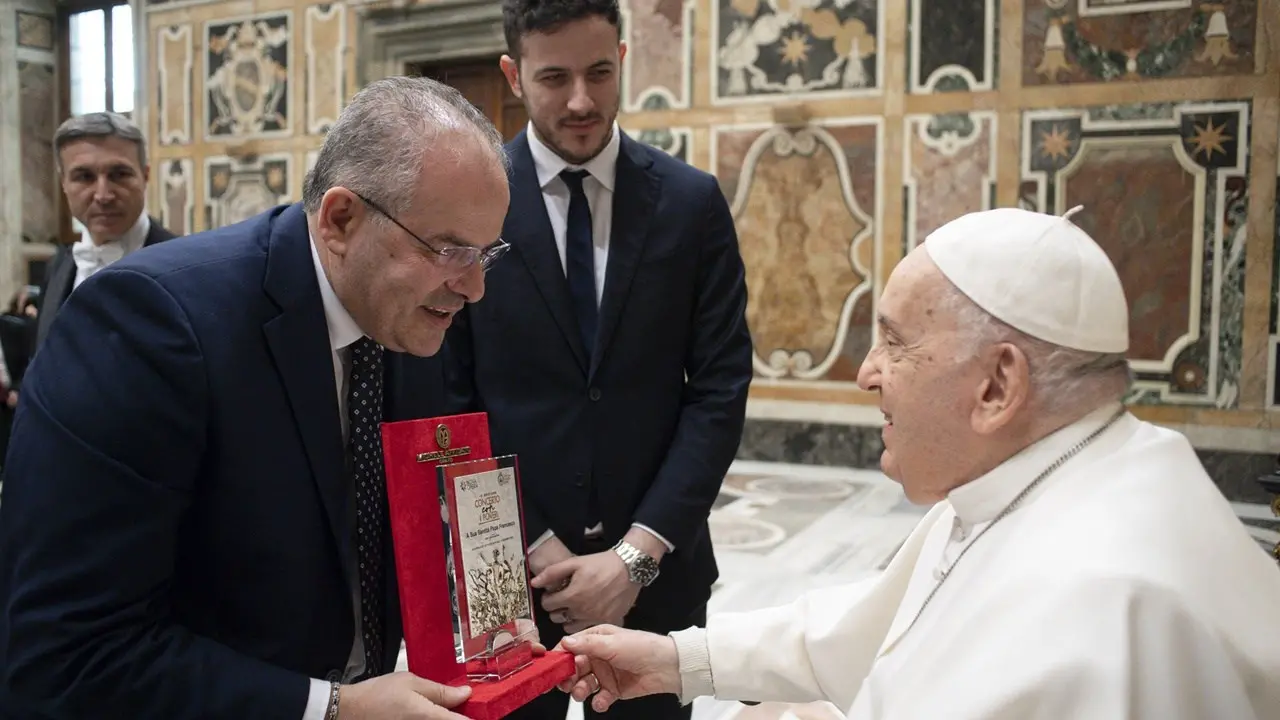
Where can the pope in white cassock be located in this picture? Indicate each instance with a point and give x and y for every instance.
(1078, 562)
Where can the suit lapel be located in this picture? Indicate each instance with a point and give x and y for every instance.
(529, 233)
(634, 194)
(298, 339)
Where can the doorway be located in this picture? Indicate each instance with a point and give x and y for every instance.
(481, 82)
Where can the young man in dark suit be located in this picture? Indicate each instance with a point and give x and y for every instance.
(611, 350)
(194, 521)
(102, 166)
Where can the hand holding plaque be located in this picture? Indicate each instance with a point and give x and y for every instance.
(458, 531)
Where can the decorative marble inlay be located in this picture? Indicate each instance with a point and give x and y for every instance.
(173, 85)
(805, 202)
(237, 190)
(1166, 197)
(177, 195)
(676, 142)
(37, 87)
(952, 45)
(1084, 41)
(326, 43)
(949, 169)
(247, 77)
(657, 73)
(35, 31)
(767, 48)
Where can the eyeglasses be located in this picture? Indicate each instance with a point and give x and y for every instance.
(453, 257)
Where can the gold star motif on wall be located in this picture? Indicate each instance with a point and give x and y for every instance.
(1055, 144)
(1209, 138)
(795, 49)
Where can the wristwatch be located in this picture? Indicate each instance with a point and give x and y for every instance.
(641, 568)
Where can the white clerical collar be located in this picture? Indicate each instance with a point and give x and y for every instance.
(981, 500)
(603, 167)
(343, 329)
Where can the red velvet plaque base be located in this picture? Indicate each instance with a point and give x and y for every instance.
(497, 699)
(412, 450)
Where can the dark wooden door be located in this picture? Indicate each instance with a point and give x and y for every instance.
(483, 83)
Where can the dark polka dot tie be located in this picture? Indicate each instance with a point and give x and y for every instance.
(364, 409)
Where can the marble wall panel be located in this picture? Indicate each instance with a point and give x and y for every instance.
(37, 91)
(770, 48)
(952, 45)
(177, 195)
(326, 46)
(1165, 193)
(675, 141)
(237, 190)
(35, 31)
(1065, 41)
(247, 65)
(657, 73)
(176, 54)
(806, 202)
(949, 169)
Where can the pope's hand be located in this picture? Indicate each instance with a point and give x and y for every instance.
(616, 664)
(401, 695)
(599, 591)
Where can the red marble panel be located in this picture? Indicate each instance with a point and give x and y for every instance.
(1140, 205)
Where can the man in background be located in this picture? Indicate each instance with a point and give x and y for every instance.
(611, 351)
(102, 165)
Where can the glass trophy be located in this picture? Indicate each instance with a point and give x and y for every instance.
(484, 541)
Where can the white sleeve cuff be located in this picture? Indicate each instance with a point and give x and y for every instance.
(545, 536)
(646, 528)
(317, 700)
(695, 664)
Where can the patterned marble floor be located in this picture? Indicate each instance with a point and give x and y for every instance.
(780, 530)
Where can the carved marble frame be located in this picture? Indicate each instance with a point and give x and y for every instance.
(443, 31)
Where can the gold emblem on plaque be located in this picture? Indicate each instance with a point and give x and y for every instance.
(444, 438)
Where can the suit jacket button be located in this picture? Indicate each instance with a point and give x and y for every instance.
(594, 394)
(333, 676)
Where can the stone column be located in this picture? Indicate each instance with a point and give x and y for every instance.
(29, 200)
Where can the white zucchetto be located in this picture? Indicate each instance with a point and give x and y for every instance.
(1038, 273)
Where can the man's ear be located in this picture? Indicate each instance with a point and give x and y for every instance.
(339, 216)
(1004, 391)
(511, 69)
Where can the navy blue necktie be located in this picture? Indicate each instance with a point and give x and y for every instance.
(364, 408)
(580, 267)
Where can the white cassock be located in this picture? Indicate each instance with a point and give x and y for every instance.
(1123, 587)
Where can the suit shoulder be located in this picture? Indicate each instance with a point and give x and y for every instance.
(181, 262)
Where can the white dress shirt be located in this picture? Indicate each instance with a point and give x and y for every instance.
(90, 257)
(343, 331)
(603, 171)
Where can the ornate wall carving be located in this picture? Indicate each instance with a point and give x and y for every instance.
(237, 190)
(246, 79)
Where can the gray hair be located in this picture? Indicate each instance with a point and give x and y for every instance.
(1061, 378)
(99, 125)
(381, 139)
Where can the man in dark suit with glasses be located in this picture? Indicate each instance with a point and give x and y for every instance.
(194, 521)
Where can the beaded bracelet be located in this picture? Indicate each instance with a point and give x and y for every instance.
(332, 712)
